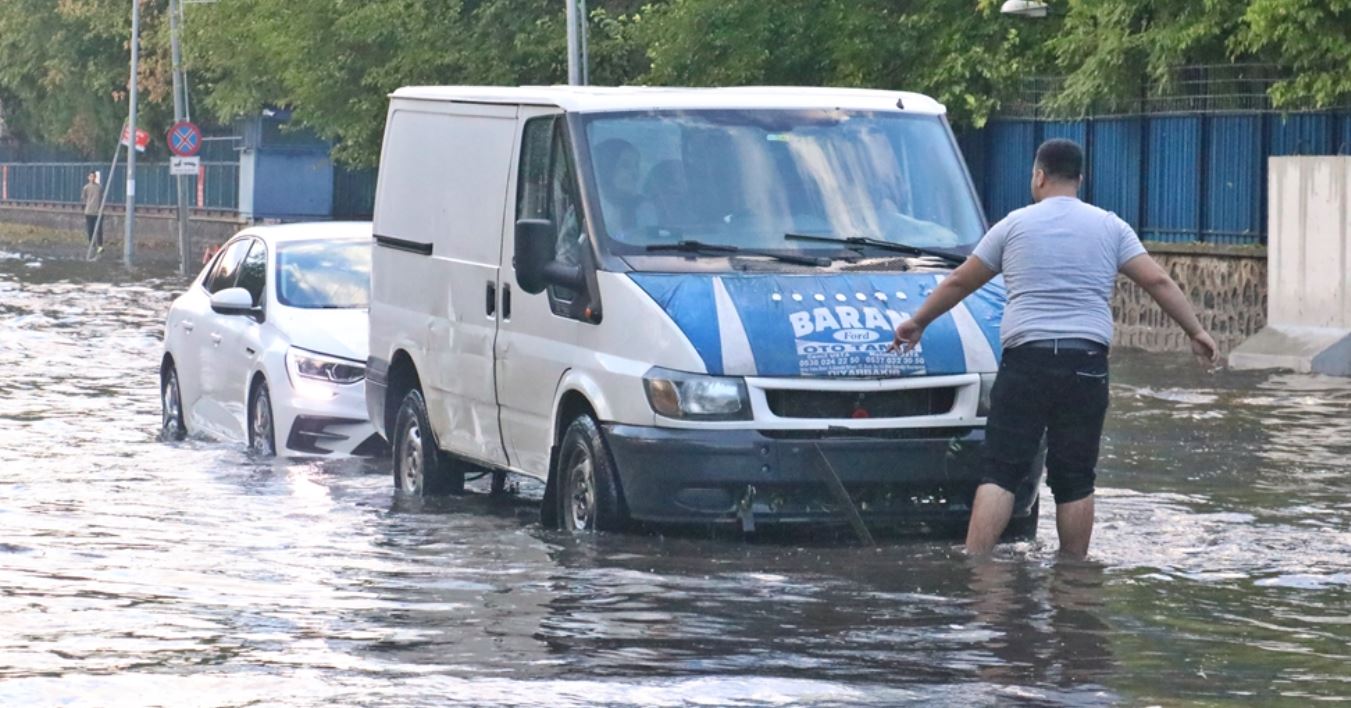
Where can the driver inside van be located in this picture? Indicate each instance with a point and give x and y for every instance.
(617, 175)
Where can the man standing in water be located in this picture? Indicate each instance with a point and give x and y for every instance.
(91, 196)
(1060, 258)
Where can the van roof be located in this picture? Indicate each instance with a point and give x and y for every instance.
(585, 99)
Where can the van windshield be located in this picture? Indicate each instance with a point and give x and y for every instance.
(749, 178)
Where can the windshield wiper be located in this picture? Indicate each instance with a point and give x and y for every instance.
(718, 248)
(858, 241)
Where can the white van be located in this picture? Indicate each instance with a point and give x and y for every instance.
(674, 305)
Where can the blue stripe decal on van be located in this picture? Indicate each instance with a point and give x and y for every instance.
(689, 302)
(987, 306)
(822, 325)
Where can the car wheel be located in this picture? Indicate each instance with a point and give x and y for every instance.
(420, 468)
(588, 494)
(1024, 529)
(262, 431)
(172, 426)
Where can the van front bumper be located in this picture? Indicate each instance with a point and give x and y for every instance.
(907, 477)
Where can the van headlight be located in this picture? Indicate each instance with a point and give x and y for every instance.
(986, 386)
(303, 364)
(675, 394)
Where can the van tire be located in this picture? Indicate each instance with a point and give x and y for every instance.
(420, 467)
(588, 494)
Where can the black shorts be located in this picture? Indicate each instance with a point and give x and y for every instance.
(1059, 393)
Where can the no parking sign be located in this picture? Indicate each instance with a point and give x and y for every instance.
(185, 139)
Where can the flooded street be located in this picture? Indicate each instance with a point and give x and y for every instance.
(134, 572)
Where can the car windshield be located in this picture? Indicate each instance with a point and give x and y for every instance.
(324, 274)
(749, 178)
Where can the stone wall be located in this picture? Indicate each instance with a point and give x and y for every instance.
(1227, 285)
(156, 229)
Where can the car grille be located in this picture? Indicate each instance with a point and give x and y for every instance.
(904, 403)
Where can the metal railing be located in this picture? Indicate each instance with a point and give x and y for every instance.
(1203, 88)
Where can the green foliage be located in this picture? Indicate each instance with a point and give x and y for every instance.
(63, 63)
(1312, 38)
(63, 70)
(336, 61)
(965, 55)
(1110, 52)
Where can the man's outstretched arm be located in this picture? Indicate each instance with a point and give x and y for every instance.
(1147, 273)
(967, 279)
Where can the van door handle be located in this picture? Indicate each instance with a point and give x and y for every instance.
(187, 326)
(216, 338)
(506, 301)
(490, 299)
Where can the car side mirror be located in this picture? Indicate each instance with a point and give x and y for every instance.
(234, 301)
(536, 268)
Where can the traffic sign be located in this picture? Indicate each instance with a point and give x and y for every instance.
(184, 165)
(185, 139)
(142, 138)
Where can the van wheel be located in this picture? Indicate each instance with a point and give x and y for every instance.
(420, 468)
(588, 493)
(172, 426)
(1024, 529)
(262, 431)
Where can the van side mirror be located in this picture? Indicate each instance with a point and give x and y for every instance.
(235, 301)
(536, 268)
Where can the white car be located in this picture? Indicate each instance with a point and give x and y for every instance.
(268, 345)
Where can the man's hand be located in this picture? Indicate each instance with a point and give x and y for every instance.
(1205, 349)
(907, 336)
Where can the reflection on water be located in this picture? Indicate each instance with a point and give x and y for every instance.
(135, 572)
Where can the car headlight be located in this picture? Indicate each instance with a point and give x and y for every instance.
(304, 364)
(676, 394)
(986, 386)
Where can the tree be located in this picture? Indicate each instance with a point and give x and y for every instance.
(64, 69)
(334, 62)
(962, 53)
(1311, 39)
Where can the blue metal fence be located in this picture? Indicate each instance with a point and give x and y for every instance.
(353, 193)
(1174, 177)
(61, 182)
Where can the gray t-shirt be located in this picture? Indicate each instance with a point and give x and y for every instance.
(1059, 258)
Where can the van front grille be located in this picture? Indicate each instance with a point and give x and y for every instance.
(789, 403)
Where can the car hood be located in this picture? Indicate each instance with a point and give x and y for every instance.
(340, 333)
(838, 324)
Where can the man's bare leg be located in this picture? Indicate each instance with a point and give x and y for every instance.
(990, 514)
(1074, 524)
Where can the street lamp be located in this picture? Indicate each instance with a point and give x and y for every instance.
(1025, 8)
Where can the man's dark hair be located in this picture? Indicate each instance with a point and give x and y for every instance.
(1061, 159)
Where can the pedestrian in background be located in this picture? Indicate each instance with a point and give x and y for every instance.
(92, 196)
(1060, 258)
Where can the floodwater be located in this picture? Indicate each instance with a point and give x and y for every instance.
(134, 572)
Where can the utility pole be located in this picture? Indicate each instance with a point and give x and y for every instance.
(574, 66)
(128, 245)
(586, 58)
(180, 114)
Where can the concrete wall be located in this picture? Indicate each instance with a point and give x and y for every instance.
(1310, 207)
(1309, 280)
(1227, 285)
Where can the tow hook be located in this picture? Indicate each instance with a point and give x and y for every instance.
(745, 511)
